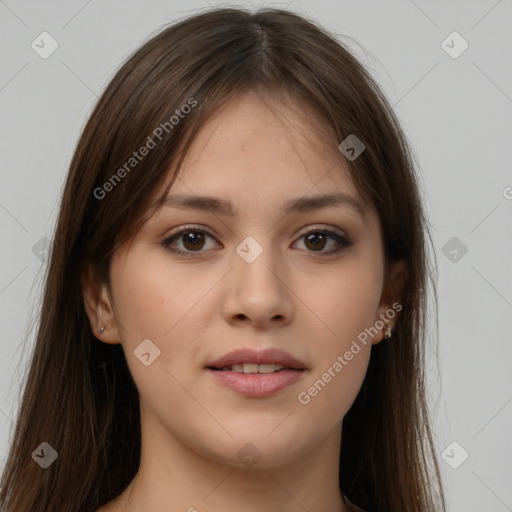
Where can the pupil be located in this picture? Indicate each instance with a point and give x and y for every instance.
(194, 239)
(315, 239)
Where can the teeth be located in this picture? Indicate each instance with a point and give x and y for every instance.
(249, 368)
(254, 368)
(269, 368)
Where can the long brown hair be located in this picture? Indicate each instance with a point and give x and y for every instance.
(79, 395)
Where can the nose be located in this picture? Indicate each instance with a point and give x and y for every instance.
(258, 293)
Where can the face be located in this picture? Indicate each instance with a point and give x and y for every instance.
(264, 277)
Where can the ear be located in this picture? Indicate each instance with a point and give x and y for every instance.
(98, 306)
(390, 303)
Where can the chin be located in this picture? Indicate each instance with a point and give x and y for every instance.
(260, 451)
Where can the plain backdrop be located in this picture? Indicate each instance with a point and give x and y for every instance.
(455, 105)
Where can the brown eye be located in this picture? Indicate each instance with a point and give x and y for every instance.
(318, 240)
(193, 240)
(189, 240)
(315, 241)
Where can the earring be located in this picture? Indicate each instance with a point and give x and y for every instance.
(101, 329)
(387, 332)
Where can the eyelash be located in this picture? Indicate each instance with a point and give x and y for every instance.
(342, 240)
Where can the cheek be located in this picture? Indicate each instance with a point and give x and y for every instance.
(155, 302)
(153, 298)
(347, 307)
(348, 304)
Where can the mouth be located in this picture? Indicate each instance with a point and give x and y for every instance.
(253, 361)
(257, 374)
(251, 368)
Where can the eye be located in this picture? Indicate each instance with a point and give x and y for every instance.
(193, 240)
(316, 240)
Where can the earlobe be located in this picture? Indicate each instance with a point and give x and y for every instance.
(98, 307)
(391, 301)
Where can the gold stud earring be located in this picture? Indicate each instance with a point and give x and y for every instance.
(387, 332)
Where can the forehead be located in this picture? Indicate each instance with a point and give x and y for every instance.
(262, 139)
(264, 143)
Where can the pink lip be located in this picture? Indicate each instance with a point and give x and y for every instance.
(268, 356)
(257, 384)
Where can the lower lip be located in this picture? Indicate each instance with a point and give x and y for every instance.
(257, 384)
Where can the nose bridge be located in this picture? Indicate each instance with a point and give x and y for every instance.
(254, 261)
(257, 290)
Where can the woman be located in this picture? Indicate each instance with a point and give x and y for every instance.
(234, 312)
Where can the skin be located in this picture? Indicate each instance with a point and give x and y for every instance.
(196, 308)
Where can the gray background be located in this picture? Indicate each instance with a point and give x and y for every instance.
(456, 113)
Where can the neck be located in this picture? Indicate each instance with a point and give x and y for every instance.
(173, 473)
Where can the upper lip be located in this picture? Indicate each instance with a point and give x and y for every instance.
(268, 356)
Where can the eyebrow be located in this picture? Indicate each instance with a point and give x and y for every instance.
(300, 205)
